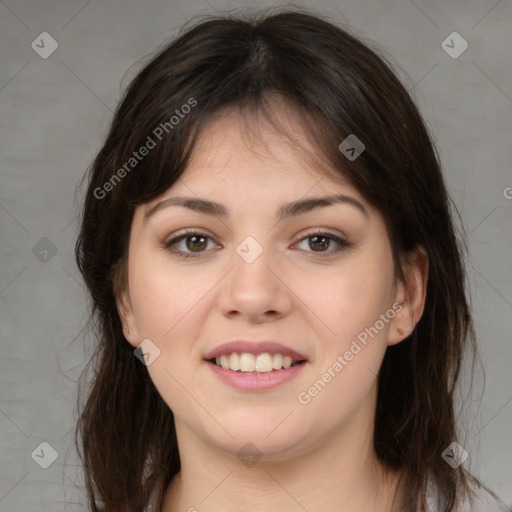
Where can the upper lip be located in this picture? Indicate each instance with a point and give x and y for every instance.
(254, 347)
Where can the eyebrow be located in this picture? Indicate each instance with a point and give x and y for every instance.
(285, 211)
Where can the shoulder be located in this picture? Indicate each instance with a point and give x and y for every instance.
(476, 499)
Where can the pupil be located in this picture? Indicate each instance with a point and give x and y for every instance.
(324, 242)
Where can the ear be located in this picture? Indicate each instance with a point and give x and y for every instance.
(125, 310)
(410, 294)
(121, 290)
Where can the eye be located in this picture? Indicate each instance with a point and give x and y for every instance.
(192, 243)
(320, 242)
(189, 244)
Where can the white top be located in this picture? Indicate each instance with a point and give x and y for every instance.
(479, 501)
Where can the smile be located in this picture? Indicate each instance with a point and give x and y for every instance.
(258, 363)
(255, 365)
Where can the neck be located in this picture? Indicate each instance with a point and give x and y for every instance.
(340, 473)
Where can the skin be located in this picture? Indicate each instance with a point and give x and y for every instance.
(319, 455)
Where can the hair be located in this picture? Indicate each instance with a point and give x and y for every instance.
(338, 86)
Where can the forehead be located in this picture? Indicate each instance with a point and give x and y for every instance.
(245, 147)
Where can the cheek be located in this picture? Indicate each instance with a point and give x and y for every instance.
(352, 303)
(165, 296)
(338, 397)
(351, 296)
(168, 307)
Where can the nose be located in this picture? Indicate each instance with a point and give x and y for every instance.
(256, 291)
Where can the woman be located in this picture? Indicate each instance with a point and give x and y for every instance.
(269, 249)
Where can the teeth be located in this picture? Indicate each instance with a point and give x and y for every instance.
(247, 362)
(224, 361)
(234, 361)
(277, 361)
(261, 363)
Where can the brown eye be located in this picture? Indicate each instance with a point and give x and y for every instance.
(319, 243)
(190, 244)
(196, 243)
(323, 244)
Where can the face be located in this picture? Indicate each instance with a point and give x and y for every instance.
(260, 276)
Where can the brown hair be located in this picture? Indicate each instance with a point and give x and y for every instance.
(125, 434)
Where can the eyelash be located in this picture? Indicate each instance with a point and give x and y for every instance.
(342, 244)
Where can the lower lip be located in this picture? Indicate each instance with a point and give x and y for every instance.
(252, 381)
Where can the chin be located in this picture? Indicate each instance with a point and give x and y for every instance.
(268, 436)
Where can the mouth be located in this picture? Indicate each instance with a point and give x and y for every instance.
(255, 365)
(264, 362)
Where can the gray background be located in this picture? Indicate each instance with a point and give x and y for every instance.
(54, 113)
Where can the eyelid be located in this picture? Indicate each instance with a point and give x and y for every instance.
(187, 232)
(322, 231)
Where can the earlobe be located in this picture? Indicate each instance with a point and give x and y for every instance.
(411, 295)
